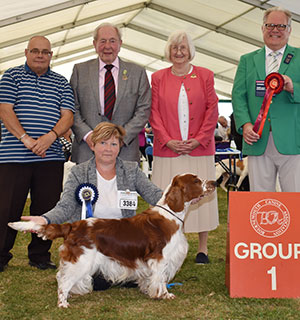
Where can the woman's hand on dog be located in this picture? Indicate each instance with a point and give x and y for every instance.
(36, 219)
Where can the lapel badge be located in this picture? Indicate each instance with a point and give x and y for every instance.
(288, 58)
(124, 76)
(193, 76)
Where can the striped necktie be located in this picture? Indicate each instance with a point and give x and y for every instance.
(109, 92)
(273, 64)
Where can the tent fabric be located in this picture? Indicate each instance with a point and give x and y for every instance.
(222, 31)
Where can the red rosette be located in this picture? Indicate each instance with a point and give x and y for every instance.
(274, 81)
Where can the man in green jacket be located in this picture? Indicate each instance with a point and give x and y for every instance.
(277, 150)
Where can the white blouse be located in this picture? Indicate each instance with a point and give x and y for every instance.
(107, 204)
(183, 111)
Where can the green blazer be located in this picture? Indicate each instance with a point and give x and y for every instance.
(284, 112)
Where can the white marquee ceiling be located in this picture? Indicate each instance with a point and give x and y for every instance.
(222, 30)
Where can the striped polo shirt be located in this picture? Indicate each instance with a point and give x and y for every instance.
(37, 103)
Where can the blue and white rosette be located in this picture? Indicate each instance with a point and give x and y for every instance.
(86, 194)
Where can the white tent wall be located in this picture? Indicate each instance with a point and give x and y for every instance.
(222, 31)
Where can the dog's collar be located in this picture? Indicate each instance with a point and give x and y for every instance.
(170, 213)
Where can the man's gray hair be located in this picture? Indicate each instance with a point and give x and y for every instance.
(281, 9)
(106, 24)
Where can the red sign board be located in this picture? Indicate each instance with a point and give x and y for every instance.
(263, 245)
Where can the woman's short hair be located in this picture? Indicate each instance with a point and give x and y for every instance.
(106, 130)
(174, 39)
(107, 24)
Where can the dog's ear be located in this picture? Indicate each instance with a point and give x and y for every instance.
(174, 197)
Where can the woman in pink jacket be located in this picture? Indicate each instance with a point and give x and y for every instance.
(183, 119)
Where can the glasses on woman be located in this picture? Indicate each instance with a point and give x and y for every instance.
(279, 27)
(175, 48)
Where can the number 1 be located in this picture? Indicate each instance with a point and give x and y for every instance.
(272, 272)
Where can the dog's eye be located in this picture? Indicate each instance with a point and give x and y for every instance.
(197, 180)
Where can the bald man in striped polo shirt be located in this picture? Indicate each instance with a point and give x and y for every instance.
(36, 108)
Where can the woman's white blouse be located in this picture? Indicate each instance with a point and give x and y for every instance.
(106, 206)
(183, 111)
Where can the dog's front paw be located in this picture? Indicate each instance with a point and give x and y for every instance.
(63, 304)
(168, 295)
(62, 299)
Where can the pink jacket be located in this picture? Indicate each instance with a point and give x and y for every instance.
(203, 111)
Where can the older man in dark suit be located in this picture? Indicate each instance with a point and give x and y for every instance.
(129, 97)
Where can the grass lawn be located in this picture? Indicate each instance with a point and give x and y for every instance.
(28, 293)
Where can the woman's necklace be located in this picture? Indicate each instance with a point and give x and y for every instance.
(180, 74)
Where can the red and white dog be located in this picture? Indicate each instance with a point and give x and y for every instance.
(148, 248)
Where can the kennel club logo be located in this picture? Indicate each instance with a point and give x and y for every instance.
(269, 218)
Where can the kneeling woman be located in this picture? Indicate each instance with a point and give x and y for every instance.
(110, 175)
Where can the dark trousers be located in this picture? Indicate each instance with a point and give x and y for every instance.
(44, 182)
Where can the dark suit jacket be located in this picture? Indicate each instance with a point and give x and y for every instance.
(131, 110)
(284, 112)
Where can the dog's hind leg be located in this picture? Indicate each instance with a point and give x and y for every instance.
(244, 174)
(75, 277)
(71, 279)
(63, 290)
(225, 179)
(241, 179)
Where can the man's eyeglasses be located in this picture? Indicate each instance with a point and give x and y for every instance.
(43, 52)
(280, 27)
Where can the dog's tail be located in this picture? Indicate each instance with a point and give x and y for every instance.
(50, 231)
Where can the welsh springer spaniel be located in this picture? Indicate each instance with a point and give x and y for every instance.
(148, 248)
